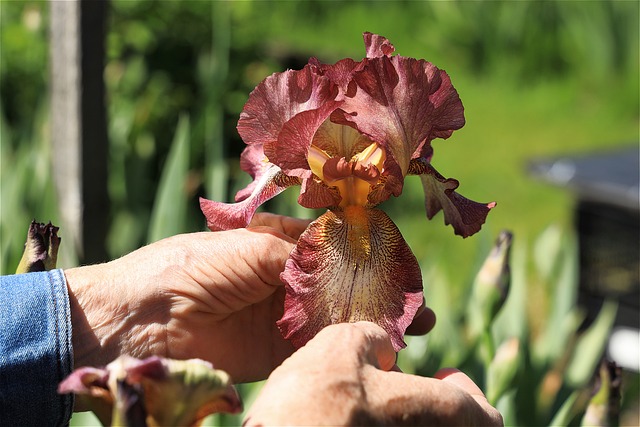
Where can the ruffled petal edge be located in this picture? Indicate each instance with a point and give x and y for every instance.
(227, 216)
(464, 215)
(350, 265)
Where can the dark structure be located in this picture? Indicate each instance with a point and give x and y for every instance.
(607, 188)
(79, 124)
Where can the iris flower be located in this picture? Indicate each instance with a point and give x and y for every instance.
(349, 133)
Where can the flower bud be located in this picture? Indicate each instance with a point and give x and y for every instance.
(503, 369)
(41, 248)
(491, 286)
(604, 406)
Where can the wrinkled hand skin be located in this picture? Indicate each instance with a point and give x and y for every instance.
(212, 296)
(347, 375)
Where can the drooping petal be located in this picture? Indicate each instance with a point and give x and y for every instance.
(466, 216)
(90, 385)
(316, 195)
(82, 379)
(279, 98)
(350, 265)
(227, 216)
(402, 103)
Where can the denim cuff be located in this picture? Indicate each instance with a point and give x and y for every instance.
(35, 349)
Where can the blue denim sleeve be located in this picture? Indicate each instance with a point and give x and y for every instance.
(35, 349)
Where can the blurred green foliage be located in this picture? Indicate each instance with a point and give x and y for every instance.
(536, 79)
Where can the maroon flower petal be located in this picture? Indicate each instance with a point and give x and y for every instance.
(92, 389)
(377, 46)
(403, 103)
(255, 163)
(466, 216)
(226, 216)
(340, 73)
(290, 150)
(83, 379)
(316, 195)
(350, 265)
(279, 98)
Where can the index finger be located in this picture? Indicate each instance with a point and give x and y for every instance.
(292, 227)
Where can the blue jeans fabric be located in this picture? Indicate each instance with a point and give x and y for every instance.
(35, 349)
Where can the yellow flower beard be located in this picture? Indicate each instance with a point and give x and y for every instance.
(359, 235)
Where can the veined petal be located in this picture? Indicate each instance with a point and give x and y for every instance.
(317, 195)
(279, 98)
(340, 141)
(226, 216)
(289, 151)
(340, 73)
(402, 103)
(466, 216)
(255, 163)
(350, 265)
(390, 184)
(377, 45)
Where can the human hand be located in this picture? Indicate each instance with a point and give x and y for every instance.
(346, 375)
(214, 296)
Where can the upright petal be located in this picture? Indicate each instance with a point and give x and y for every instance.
(280, 97)
(466, 216)
(403, 102)
(340, 141)
(350, 265)
(340, 73)
(226, 216)
(289, 151)
(377, 46)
